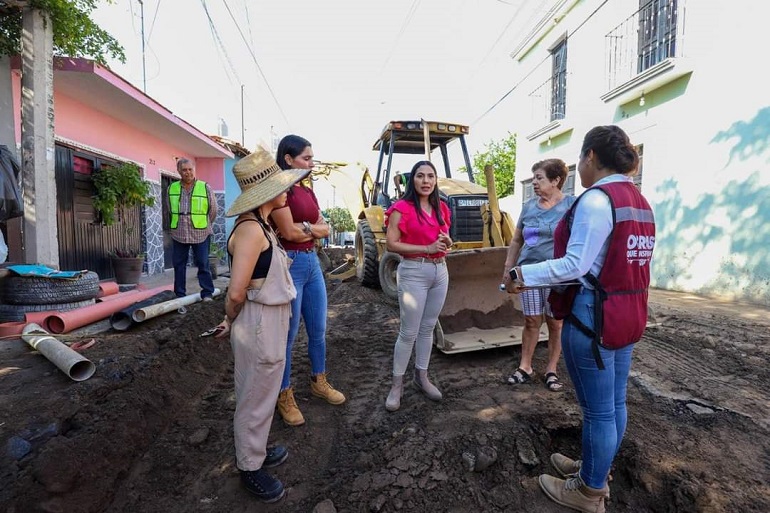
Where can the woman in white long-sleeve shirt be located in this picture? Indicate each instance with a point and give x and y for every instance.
(605, 242)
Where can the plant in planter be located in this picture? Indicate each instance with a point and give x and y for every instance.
(120, 188)
(216, 255)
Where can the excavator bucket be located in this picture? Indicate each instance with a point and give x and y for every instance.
(477, 314)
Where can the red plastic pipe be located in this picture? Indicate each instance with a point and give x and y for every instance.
(9, 329)
(64, 322)
(107, 288)
(119, 295)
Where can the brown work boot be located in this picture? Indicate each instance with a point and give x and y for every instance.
(573, 493)
(288, 408)
(319, 387)
(567, 467)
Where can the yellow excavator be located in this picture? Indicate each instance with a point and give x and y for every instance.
(476, 314)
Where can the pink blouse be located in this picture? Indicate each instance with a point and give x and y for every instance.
(421, 231)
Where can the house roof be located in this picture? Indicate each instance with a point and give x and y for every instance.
(102, 89)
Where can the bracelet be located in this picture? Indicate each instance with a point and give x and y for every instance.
(306, 228)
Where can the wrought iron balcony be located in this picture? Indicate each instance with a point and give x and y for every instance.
(549, 100)
(649, 36)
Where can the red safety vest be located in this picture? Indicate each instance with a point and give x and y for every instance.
(620, 291)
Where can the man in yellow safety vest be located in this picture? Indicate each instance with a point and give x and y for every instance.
(193, 209)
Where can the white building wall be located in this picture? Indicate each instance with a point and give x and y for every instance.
(706, 138)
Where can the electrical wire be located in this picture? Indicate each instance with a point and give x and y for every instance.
(152, 25)
(537, 66)
(404, 24)
(220, 45)
(256, 63)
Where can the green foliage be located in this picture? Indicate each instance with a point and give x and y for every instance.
(502, 156)
(119, 188)
(216, 251)
(74, 32)
(339, 219)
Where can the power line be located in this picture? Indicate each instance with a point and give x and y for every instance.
(535, 68)
(220, 45)
(248, 21)
(256, 63)
(402, 30)
(152, 25)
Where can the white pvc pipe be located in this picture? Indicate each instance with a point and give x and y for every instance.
(70, 362)
(149, 312)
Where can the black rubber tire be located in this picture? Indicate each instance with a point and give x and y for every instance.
(15, 313)
(29, 290)
(367, 267)
(389, 262)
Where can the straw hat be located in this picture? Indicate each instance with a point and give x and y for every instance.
(261, 180)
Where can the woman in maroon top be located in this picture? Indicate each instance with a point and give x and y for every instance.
(299, 224)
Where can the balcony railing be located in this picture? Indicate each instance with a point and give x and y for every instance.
(549, 100)
(651, 35)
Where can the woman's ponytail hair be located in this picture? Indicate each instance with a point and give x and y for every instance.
(612, 148)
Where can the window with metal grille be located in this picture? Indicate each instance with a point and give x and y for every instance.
(559, 81)
(569, 184)
(529, 192)
(657, 32)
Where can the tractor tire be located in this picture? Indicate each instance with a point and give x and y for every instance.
(15, 313)
(367, 269)
(388, 266)
(31, 290)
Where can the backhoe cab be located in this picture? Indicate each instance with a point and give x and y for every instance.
(476, 315)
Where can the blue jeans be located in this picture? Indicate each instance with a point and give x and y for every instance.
(179, 255)
(601, 393)
(311, 303)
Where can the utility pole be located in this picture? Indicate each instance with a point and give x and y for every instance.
(144, 60)
(243, 128)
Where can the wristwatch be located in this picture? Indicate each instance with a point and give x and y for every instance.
(514, 274)
(306, 228)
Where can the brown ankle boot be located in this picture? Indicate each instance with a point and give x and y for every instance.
(573, 493)
(425, 386)
(320, 387)
(567, 467)
(288, 408)
(393, 402)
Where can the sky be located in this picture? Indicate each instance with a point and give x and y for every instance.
(334, 72)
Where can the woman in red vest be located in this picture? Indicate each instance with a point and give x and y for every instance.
(605, 241)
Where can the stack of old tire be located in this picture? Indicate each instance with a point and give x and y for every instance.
(22, 294)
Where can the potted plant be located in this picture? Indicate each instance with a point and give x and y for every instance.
(216, 255)
(118, 189)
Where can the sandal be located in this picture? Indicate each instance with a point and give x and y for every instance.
(552, 382)
(519, 377)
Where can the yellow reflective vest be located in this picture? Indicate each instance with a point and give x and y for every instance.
(199, 204)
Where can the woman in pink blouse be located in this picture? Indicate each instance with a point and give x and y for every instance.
(418, 230)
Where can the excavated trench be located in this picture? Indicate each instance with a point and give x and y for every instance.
(151, 431)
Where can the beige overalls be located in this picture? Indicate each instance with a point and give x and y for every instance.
(258, 339)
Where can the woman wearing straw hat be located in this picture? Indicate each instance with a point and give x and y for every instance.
(257, 308)
(298, 226)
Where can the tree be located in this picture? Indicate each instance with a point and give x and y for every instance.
(74, 33)
(339, 219)
(502, 156)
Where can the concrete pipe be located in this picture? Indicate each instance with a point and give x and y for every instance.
(150, 312)
(68, 361)
(123, 320)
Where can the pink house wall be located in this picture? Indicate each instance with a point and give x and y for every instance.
(80, 123)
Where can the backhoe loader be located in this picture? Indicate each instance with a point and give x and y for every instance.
(476, 314)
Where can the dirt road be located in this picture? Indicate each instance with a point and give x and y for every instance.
(151, 431)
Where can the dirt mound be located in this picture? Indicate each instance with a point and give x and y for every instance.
(152, 430)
